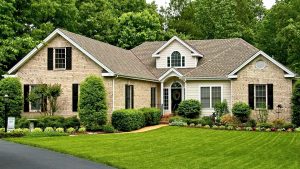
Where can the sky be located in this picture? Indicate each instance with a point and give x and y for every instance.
(268, 3)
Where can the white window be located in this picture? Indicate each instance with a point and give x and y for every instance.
(260, 96)
(176, 60)
(210, 95)
(37, 105)
(166, 99)
(60, 58)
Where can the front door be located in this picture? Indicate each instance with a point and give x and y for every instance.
(175, 98)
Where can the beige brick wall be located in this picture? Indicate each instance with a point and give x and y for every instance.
(35, 72)
(269, 75)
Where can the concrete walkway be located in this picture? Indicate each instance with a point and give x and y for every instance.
(17, 156)
(148, 128)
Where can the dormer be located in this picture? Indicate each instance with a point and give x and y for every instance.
(176, 54)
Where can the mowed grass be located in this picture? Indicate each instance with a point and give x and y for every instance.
(178, 147)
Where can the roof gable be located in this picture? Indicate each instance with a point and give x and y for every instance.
(288, 72)
(175, 38)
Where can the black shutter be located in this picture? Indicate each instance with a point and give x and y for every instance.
(26, 102)
(270, 97)
(153, 97)
(132, 96)
(183, 61)
(169, 63)
(251, 95)
(74, 97)
(69, 58)
(50, 59)
(126, 97)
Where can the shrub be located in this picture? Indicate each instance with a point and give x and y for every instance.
(22, 122)
(199, 125)
(288, 126)
(268, 130)
(2, 130)
(152, 116)
(297, 129)
(189, 108)
(92, 103)
(71, 130)
(215, 127)
(45, 134)
(207, 126)
(12, 134)
(60, 130)
(178, 123)
(177, 118)
(82, 130)
(37, 130)
(206, 120)
(230, 128)
(13, 88)
(221, 108)
(72, 122)
(249, 128)
(296, 104)
(238, 128)
(48, 129)
(263, 114)
(258, 129)
(278, 123)
(25, 130)
(192, 125)
(241, 110)
(222, 127)
(265, 125)
(251, 123)
(108, 128)
(50, 121)
(228, 119)
(128, 119)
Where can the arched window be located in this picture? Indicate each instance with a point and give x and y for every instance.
(176, 59)
(176, 85)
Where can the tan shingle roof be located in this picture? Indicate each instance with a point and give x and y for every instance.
(119, 60)
(221, 57)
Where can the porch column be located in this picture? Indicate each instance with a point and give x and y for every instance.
(185, 92)
(162, 96)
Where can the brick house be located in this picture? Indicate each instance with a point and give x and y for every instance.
(157, 74)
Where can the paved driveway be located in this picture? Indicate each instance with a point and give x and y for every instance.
(16, 156)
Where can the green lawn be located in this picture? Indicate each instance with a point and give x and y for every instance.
(176, 147)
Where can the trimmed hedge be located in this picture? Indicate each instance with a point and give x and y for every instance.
(241, 110)
(152, 116)
(57, 122)
(189, 109)
(128, 119)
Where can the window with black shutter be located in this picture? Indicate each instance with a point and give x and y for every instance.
(251, 95)
(153, 96)
(129, 97)
(169, 62)
(270, 97)
(50, 59)
(75, 97)
(68, 58)
(261, 96)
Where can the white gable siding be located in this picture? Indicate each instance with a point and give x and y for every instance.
(190, 62)
(193, 92)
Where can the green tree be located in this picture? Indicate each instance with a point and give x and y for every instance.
(92, 103)
(13, 88)
(296, 104)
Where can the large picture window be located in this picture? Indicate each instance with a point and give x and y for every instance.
(210, 95)
(176, 60)
(60, 58)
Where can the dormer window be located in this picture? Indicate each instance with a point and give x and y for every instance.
(176, 60)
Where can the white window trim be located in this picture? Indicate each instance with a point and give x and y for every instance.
(180, 61)
(54, 58)
(30, 109)
(169, 89)
(255, 95)
(210, 93)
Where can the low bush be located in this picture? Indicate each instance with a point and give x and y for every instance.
(241, 110)
(2, 129)
(189, 109)
(178, 123)
(152, 116)
(108, 128)
(288, 126)
(206, 120)
(221, 108)
(297, 129)
(177, 118)
(222, 127)
(48, 129)
(207, 126)
(82, 130)
(72, 122)
(25, 130)
(251, 123)
(71, 130)
(268, 130)
(278, 123)
(215, 127)
(45, 134)
(128, 119)
(37, 130)
(51, 121)
(192, 125)
(60, 130)
(229, 120)
(265, 125)
(12, 134)
(249, 128)
(230, 128)
(22, 123)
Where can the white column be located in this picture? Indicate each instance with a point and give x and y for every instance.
(185, 91)
(162, 95)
